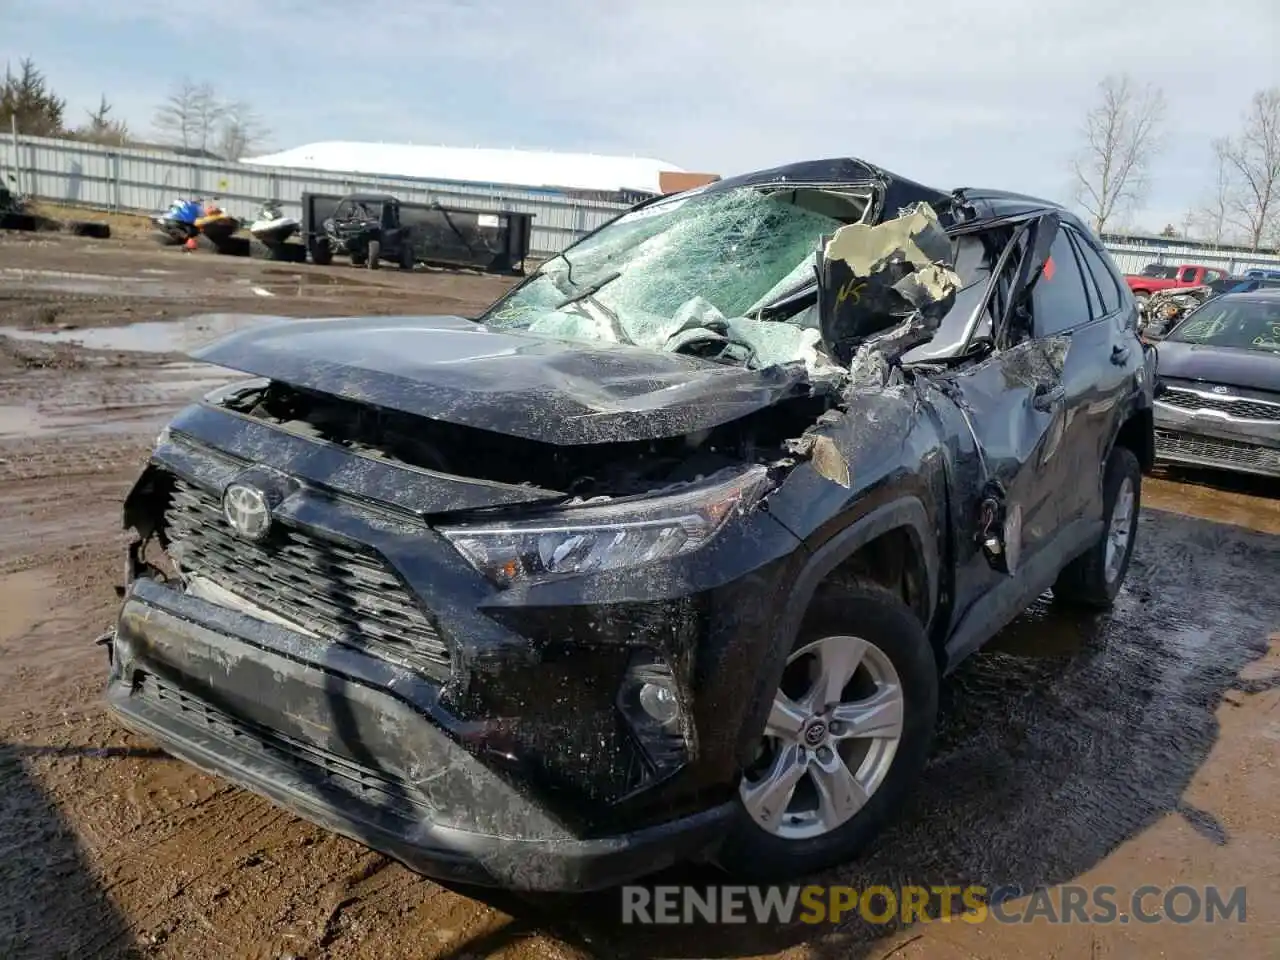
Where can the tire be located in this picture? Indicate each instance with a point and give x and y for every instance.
(1089, 580)
(17, 221)
(373, 255)
(260, 251)
(89, 228)
(320, 252)
(897, 648)
(407, 260)
(227, 246)
(291, 253)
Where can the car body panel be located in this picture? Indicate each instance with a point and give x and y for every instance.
(452, 369)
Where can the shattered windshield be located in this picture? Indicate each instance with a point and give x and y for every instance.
(691, 274)
(1242, 324)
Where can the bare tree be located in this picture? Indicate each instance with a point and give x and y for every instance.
(1252, 164)
(190, 115)
(1121, 135)
(1210, 217)
(242, 131)
(101, 128)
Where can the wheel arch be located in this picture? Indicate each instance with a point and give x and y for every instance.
(904, 520)
(1137, 433)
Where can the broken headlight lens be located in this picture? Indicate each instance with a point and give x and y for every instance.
(613, 536)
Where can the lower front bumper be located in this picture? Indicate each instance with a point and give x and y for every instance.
(1217, 442)
(353, 758)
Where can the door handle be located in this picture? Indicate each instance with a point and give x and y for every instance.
(1119, 354)
(1046, 398)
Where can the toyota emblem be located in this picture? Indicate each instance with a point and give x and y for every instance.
(246, 510)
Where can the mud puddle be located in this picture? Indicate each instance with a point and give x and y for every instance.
(77, 407)
(165, 284)
(152, 336)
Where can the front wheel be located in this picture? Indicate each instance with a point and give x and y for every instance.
(1093, 579)
(849, 731)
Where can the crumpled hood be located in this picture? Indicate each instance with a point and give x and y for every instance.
(458, 371)
(1251, 369)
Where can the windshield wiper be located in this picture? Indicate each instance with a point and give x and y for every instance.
(590, 290)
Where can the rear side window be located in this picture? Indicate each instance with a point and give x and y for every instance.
(1058, 300)
(1188, 274)
(1103, 278)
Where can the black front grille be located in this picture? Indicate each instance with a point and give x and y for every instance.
(1227, 452)
(1240, 407)
(313, 764)
(341, 593)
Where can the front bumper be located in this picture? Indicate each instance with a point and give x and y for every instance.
(1209, 439)
(355, 745)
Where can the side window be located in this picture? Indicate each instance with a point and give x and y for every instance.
(1058, 300)
(1212, 276)
(1103, 277)
(1090, 288)
(1188, 274)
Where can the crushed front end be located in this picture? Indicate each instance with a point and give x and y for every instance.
(324, 626)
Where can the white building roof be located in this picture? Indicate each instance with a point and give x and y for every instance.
(521, 168)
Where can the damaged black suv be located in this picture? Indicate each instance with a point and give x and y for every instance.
(661, 557)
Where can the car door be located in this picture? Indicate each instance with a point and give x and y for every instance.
(1013, 406)
(1061, 314)
(1100, 370)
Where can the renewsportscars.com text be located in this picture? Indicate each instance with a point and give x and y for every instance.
(913, 904)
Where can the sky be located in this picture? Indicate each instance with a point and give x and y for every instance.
(953, 93)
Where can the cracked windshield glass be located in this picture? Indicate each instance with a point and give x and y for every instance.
(690, 275)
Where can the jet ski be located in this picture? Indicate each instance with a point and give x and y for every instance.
(272, 226)
(177, 224)
(216, 224)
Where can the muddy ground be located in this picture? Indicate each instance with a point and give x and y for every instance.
(1136, 747)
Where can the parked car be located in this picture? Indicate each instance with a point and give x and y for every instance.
(1186, 275)
(1218, 401)
(1165, 310)
(661, 557)
(1259, 274)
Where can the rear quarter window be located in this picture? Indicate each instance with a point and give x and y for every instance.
(1103, 276)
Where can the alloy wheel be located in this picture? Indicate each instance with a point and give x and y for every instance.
(830, 739)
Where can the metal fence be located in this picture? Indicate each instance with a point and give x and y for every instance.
(143, 181)
(1132, 255)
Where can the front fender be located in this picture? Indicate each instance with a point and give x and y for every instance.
(888, 448)
(876, 515)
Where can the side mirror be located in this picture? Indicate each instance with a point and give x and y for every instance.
(980, 346)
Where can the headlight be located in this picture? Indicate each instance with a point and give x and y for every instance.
(612, 536)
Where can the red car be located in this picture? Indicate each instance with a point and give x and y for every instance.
(1156, 277)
